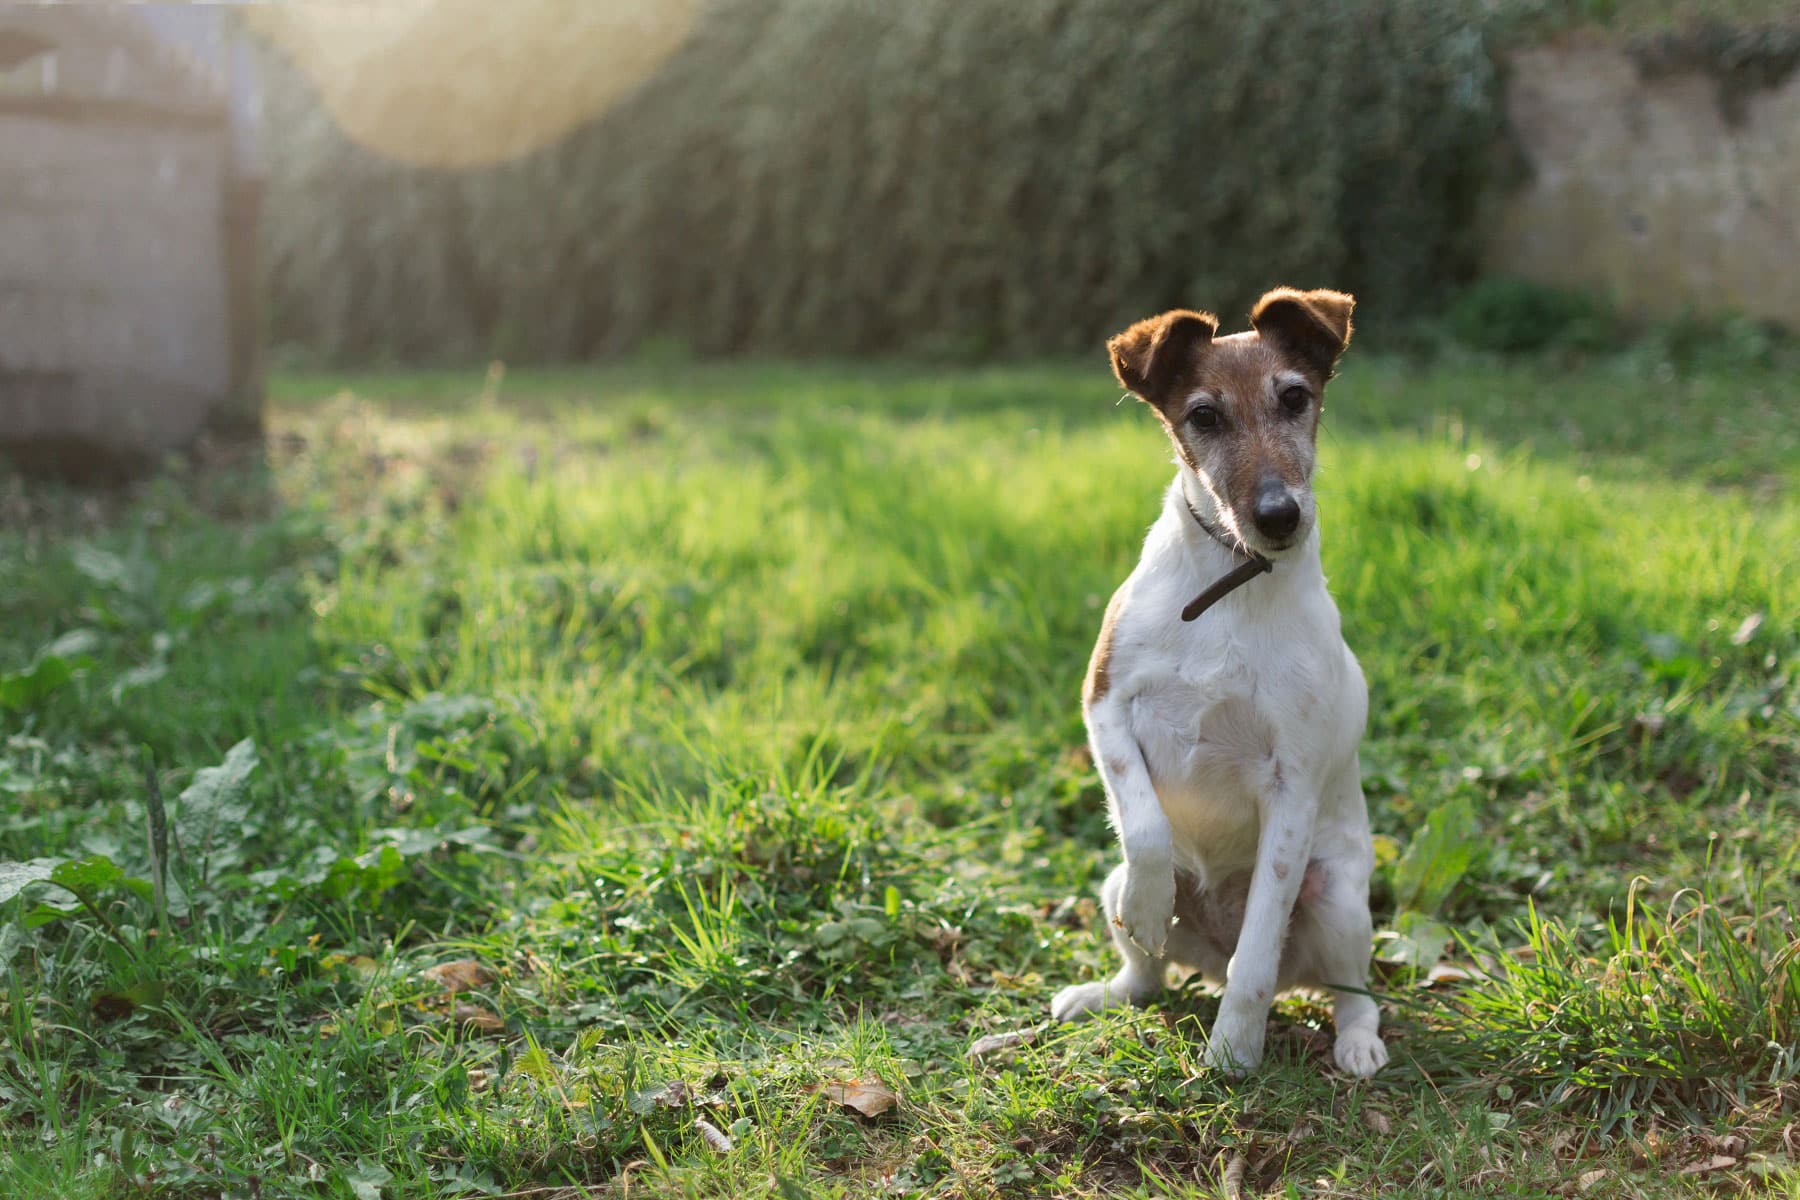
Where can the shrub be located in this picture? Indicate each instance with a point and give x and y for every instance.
(832, 177)
(1511, 315)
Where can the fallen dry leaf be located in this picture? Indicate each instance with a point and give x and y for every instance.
(462, 975)
(674, 1094)
(1447, 973)
(1233, 1177)
(715, 1137)
(870, 1097)
(1590, 1179)
(473, 1018)
(993, 1043)
(1732, 1144)
(1718, 1162)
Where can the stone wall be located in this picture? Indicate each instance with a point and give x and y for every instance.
(113, 323)
(1646, 190)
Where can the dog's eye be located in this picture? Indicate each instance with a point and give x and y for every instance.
(1205, 416)
(1295, 398)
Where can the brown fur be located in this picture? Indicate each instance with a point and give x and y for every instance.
(1153, 353)
(1313, 325)
(1099, 681)
(1167, 360)
(1263, 441)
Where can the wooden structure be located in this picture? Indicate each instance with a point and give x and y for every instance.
(128, 199)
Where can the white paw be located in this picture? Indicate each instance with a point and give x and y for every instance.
(1146, 907)
(1360, 1052)
(1235, 1047)
(1077, 1001)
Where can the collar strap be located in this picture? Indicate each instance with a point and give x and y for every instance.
(1239, 575)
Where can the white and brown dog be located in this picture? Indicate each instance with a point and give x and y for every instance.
(1225, 718)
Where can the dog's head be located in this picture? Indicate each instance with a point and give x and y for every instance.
(1243, 410)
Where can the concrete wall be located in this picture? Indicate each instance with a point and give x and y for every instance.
(113, 312)
(1641, 189)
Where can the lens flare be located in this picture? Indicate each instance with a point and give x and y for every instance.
(458, 83)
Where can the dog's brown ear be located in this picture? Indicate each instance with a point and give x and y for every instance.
(1148, 356)
(1314, 325)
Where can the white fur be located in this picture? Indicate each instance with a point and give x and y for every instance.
(1229, 745)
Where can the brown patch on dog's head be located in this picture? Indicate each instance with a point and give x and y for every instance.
(1152, 356)
(1243, 410)
(1312, 325)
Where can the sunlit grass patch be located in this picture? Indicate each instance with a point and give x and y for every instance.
(1685, 1010)
(720, 727)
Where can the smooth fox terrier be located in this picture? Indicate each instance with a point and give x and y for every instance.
(1225, 718)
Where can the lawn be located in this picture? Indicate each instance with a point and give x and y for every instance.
(654, 780)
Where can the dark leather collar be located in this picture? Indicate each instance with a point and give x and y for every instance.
(1254, 565)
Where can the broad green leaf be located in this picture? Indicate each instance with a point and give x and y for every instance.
(138, 677)
(223, 784)
(366, 1179)
(1438, 855)
(15, 877)
(101, 566)
(49, 910)
(75, 644)
(214, 802)
(86, 876)
(20, 690)
(1417, 941)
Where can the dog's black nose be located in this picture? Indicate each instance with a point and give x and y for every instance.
(1277, 512)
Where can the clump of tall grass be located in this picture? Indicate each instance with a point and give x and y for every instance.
(1693, 1007)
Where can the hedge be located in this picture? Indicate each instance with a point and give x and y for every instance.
(836, 177)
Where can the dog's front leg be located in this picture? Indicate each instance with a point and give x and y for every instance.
(1288, 811)
(1139, 896)
(1146, 901)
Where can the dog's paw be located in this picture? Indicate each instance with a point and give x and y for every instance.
(1360, 1052)
(1235, 1047)
(1078, 1001)
(1129, 986)
(1146, 908)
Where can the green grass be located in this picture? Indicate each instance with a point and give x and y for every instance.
(727, 718)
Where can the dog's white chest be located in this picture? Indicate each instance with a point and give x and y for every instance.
(1209, 724)
(1209, 746)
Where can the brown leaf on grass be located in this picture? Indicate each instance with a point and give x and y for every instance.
(472, 1018)
(460, 976)
(714, 1137)
(1442, 973)
(1732, 1144)
(1718, 1162)
(1233, 1177)
(870, 1097)
(673, 1094)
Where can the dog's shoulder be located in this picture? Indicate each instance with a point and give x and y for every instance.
(1140, 631)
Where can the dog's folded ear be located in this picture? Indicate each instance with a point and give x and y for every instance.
(1314, 325)
(1149, 356)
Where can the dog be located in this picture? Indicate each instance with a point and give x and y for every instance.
(1223, 707)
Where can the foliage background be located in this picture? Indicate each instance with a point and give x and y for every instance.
(966, 177)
